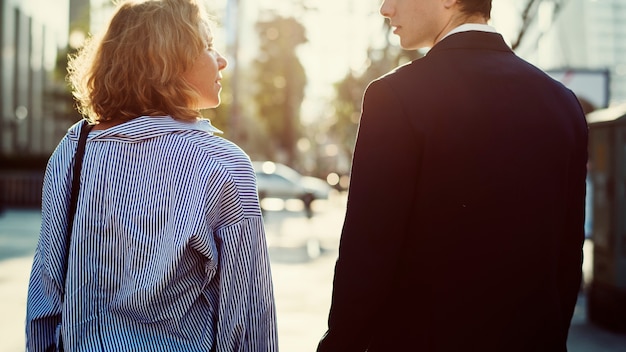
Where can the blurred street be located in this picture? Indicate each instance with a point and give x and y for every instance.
(303, 253)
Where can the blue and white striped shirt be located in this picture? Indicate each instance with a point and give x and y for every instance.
(168, 251)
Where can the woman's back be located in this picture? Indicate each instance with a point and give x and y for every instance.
(168, 249)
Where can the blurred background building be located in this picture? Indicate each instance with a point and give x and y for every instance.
(30, 40)
(34, 105)
(582, 37)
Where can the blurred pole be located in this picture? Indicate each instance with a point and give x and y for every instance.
(21, 81)
(79, 18)
(232, 48)
(2, 79)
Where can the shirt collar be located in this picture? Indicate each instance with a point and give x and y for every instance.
(145, 127)
(471, 27)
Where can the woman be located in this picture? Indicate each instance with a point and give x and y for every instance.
(168, 251)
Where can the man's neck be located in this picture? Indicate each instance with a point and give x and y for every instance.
(460, 19)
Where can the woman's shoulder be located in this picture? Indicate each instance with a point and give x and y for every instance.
(216, 146)
(219, 153)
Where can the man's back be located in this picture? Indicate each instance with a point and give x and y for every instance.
(499, 199)
(480, 246)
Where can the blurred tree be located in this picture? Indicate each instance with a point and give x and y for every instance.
(349, 91)
(280, 80)
(247, 132)
(529, 14)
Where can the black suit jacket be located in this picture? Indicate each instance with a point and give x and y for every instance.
(464, 225)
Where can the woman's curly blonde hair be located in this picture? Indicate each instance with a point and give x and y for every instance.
(136, 67)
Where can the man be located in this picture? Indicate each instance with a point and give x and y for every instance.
(464, 225)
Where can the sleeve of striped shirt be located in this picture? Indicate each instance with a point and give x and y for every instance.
(243, 287)
(43, 310)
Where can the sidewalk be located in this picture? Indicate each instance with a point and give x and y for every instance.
(587, 337)
(19, 230)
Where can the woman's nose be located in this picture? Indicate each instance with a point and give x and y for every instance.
(221, 62)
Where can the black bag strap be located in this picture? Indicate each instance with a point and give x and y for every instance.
(78, 164)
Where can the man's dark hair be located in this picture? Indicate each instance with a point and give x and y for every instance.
(479, 7)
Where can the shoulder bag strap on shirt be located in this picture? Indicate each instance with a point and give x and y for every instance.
(78, 164)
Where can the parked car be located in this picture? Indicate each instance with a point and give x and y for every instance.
(275, 180)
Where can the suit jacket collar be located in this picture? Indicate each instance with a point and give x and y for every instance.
(471, 40)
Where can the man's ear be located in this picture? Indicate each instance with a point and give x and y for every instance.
(448, 4)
